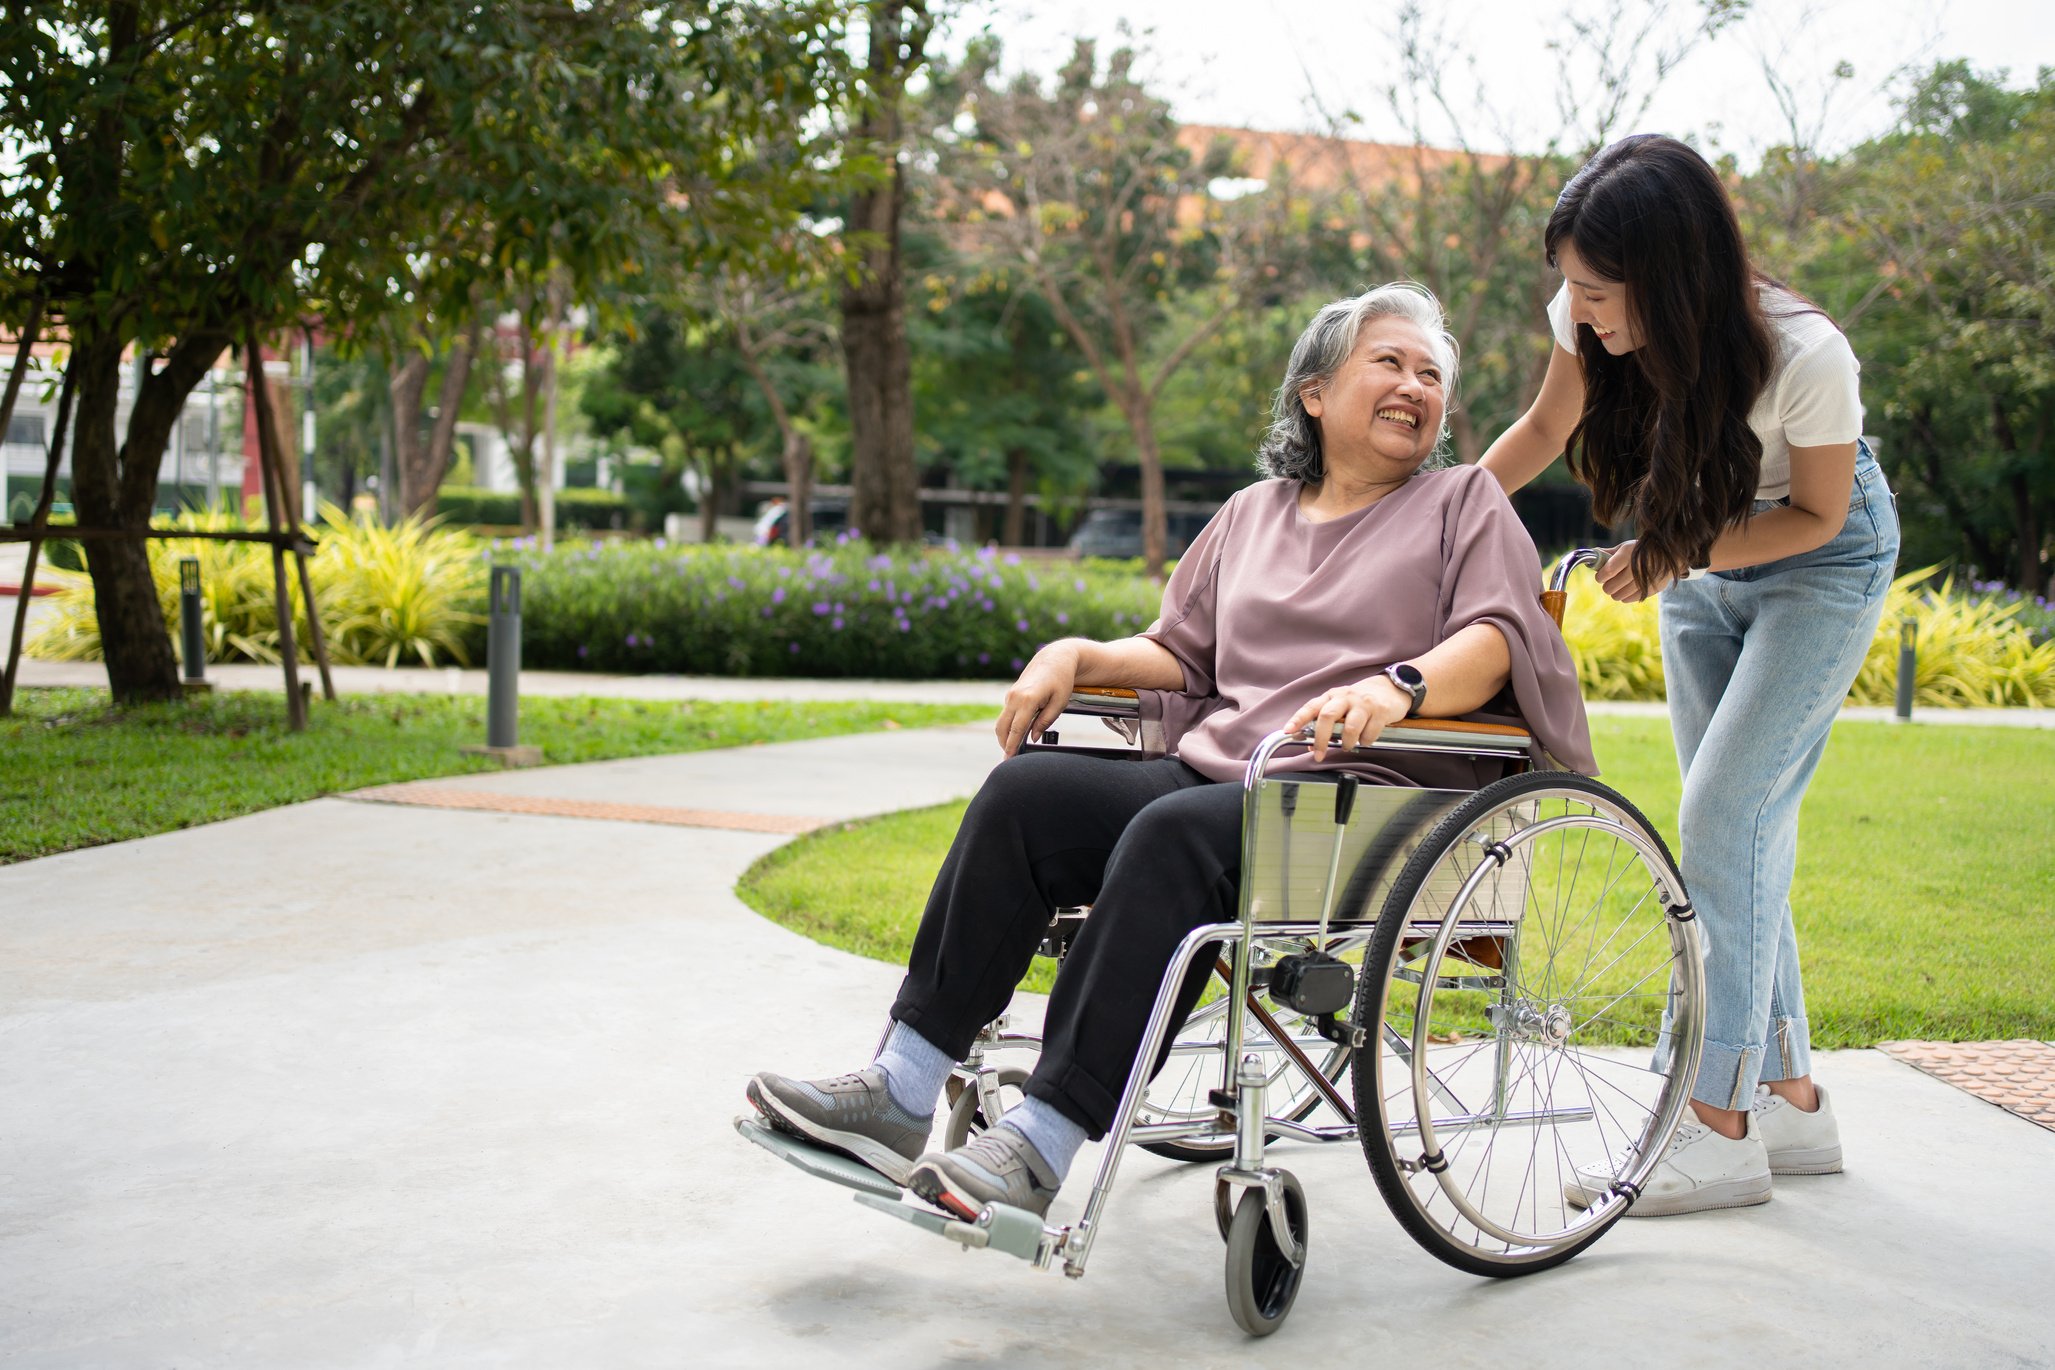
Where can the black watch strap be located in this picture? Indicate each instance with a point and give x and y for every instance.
(1407, 677)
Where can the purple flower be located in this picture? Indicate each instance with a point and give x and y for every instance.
(1013, 559)
(821, 610)
(1080, 586)
(581, 651)
(766, 611)
(631, 639)
(792, 647)
(1062, 619)
(778, 595)
(984, 658)
(836, 625)
(1020, 624)
(873, 587)
(1018, 663)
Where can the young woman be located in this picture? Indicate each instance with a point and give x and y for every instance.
(1719, 413)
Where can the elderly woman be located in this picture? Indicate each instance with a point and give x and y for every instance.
(1353, 589)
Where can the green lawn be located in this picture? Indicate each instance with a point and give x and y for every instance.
(75, 772)
(1925, 896)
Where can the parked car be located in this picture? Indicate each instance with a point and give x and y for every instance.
(829, 518)
(1118, 533)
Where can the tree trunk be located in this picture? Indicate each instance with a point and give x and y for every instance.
(799, 476)
(886, 503)
(110, 491)
(422, 466)
(1155, 518)
(1015, 532)
(408, 383)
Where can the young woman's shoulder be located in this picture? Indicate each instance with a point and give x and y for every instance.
(1802, 330)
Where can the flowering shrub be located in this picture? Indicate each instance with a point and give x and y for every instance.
(849, 609)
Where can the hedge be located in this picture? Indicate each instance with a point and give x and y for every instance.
(577, 507)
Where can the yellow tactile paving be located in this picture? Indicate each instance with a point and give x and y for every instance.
(449, 797)
(2017, 1076)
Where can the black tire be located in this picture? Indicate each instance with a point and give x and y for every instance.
(1262, 1284)
(1548, 1028)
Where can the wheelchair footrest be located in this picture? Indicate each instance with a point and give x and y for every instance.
(818, 1161)
(1014, 1231)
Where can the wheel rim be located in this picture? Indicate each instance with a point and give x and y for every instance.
(1503, 1086)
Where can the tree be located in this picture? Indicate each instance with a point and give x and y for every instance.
(886, 501)
(1088, 188)
(184, 174)
(1959, 348)
(1455, 208)
(1003, 400)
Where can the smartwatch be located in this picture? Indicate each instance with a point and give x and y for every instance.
(1407, 677)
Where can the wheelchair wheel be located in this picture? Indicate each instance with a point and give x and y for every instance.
(1262, 1282)
(966, 1112)
(1178, 1093)
(1535, 987)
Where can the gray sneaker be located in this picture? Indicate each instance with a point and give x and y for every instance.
(998, 1165)
(852, 1114)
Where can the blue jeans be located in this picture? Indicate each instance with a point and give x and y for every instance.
(1758, 661)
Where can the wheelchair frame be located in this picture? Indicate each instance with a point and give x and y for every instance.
(1464, 852)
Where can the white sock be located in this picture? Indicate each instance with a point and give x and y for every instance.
(1056, 1137)
(915, 1070)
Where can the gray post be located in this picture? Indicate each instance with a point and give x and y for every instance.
(192, 633)
(1908, 657)
(503, 659)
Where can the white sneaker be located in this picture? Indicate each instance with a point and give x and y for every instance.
(1799, 1143)
(1699, 1170)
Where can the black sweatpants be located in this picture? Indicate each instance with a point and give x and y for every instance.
(1153, 846)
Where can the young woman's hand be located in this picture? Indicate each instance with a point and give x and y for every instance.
(1616, 577)
(1361, 711)
(1039, 697)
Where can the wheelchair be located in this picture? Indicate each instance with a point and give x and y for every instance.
(1509, 981)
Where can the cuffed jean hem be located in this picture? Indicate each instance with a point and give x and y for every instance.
(1728, 1075)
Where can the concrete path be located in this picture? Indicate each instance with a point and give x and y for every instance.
(451, 680)
(352, 1084)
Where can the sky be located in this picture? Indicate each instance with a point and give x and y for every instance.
(1253, 62)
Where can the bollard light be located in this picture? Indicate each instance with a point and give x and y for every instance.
(503, 660)
(192, 632)
(1908, 660)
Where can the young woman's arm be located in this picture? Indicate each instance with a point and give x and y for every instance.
(1538, 436)
(1821, 478)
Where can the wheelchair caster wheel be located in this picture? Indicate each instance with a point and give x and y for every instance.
(1261, 1280)
(967, 1116)
(1223, 1207)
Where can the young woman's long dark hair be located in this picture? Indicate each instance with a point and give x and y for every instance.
(1664, 437)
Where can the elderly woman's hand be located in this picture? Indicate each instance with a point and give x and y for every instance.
(1361, 711)
(1039, 697)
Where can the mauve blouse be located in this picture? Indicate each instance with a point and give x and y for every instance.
(1268, 610)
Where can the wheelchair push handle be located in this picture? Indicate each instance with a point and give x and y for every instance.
(1558, 591)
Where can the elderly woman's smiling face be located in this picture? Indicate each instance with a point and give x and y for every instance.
(1382, 408)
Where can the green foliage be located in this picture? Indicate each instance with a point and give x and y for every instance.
(848, 610)
(1974, 652)
(77, 773)
(410, 593)
(577, 507)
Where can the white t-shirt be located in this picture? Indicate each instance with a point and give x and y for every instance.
(1812, 399)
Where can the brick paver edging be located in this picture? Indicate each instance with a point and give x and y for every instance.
(449, 797)
(2018, 1077)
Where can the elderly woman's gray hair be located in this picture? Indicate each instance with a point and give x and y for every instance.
(1292, 446)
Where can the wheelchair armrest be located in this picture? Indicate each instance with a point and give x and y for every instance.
(1414, 735)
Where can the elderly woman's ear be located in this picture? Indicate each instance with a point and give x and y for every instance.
(1309, 397)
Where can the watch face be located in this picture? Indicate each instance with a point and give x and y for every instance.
(1409, 676)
